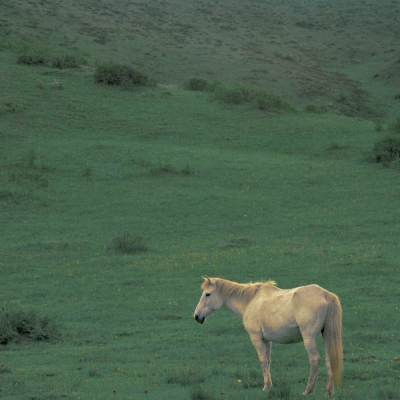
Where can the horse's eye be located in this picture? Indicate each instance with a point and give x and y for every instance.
(208, 294)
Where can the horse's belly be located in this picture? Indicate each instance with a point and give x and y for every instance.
(284, 336)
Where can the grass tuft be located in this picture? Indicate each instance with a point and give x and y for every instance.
(127, 244)
(198, 393)
(186, 376)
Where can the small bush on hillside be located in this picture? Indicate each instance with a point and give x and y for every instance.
(197, 84)
(213, 86)
(316, 108)
(32, 59)
(230, 94)
(395, 128)
(265, 100)
(387, 149)
(127, 244)
(378, 126)
(62, 62)
(16, 324)
(115, 74)
(245, 94)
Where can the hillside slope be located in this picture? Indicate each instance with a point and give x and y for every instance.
(305, 50)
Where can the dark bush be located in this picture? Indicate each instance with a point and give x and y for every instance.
(115, 74)
(16, 324)
(197, 84)
(230, 94)
(32, 59)
(387, 149)
(316, 108)
(395, 128)
(62, 62)
(213, 86)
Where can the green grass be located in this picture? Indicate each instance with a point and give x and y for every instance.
(115, 202)
(338, 53)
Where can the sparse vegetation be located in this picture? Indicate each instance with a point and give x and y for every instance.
(395, 127)
(115, 74)
(32, 59)
(17, 325)
(188, 376)
(316, 108)
(387, 149)
(196, 84)
(247, 192)
(55, 61)
(127, 244)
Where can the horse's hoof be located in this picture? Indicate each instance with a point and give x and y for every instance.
(267, 387)
(329, 393)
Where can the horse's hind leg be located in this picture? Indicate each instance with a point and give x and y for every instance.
(264, 354)
(315, 359)
(329, 385)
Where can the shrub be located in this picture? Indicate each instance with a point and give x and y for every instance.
(16, 324)
(241, 94)
(32, 59)
(387, 149)
(316, 108)
(115, 74)
(213, 86)
(62, 62)
(265, 100)
(229, 94)
(395, 128)
(197, 84)
(127, 244)
(378, 126)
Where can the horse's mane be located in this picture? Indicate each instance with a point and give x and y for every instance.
(243, 291)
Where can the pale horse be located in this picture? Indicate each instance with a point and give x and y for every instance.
(271, 314)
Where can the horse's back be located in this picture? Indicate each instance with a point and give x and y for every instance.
(281, 314)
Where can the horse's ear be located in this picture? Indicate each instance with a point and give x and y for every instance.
(210, 281)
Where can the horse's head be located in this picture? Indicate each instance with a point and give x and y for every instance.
(210, 300)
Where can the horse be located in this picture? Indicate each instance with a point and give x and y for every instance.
(271, 314)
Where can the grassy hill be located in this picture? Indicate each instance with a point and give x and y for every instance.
(116, 200)
(340, 53)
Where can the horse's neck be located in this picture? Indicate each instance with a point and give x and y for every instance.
(237, 306)
(237, 300)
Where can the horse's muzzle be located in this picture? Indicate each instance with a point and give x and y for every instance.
(199, 320)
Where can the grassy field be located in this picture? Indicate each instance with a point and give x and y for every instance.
(115, 201)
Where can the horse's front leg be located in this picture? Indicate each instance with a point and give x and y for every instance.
(264, 354)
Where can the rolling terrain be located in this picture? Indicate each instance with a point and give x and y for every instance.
(115, 200)
(340, 53)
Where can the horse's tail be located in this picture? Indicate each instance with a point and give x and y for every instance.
(332, 334)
